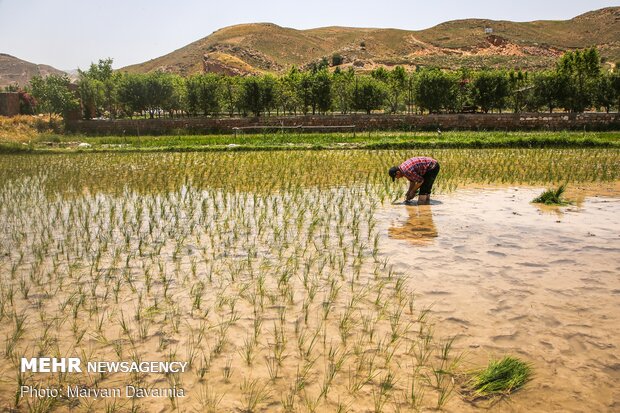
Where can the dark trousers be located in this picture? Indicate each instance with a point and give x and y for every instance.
(429, 180)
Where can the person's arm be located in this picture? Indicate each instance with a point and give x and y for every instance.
(413, 187)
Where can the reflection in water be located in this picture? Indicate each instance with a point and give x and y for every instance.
(550, 209)
(419, 229)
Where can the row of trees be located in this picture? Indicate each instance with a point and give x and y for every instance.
(577, 83)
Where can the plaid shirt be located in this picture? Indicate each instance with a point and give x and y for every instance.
(415, 168)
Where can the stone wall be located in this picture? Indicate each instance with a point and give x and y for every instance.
(9, 104)
(510, 122)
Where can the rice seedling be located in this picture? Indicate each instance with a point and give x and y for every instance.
(413, 395)
(208, 398)
(42, 405)
(288, 401)
(235, 262)
(253, 394)
(444, 383)
(384, 393)
(552, 197)
(227, 371)
(247, 351)
(301, 376)
(311, 404)
(342, 407)
(500, 378)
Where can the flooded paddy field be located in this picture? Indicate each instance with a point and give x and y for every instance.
(287, 281)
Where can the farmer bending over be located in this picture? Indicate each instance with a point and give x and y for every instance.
(421, 172)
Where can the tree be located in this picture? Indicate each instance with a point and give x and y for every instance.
(397, 85)
(288, 96)
(53, 95)
(410, 91)
(395, 82)
(192, 94)
(159, 90)
(268, 90)
(132, 93)
(321, 91)
(369, 94)
(103, 72)
(343, 85)
(381, 74)
(549, 89)
(91, 95)
(251, 96)
(204, 93)
(582, 68)
(98, 87)
(304, 92)
(313, 88)
(176, 101)
(231, 86)
(435, 90)
(490, 89)
(604, 94)
(464, 91)
(152, 92)
(615, 84)
(519, 87)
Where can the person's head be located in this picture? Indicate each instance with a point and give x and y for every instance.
(395, 173)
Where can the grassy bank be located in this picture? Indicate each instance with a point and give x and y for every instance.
(49, 142)
(26, 128)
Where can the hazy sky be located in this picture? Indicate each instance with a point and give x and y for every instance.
(68, 34)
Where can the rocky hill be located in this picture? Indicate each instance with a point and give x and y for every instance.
(17, 71)
(474, 43)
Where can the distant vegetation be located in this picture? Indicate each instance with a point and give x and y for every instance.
(577, 83)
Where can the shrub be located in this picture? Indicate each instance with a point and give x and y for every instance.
(337, 59)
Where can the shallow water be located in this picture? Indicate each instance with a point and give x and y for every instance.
(178, 245)
(509, 277)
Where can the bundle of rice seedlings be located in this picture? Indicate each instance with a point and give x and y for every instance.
(499, 378)
(552, 197)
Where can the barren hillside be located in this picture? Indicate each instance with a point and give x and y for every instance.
(475, 43)
(17, 71)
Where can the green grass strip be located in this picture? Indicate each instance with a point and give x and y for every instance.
(269, 142)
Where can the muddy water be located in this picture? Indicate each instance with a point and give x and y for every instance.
(88, 243)
(509, 277)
